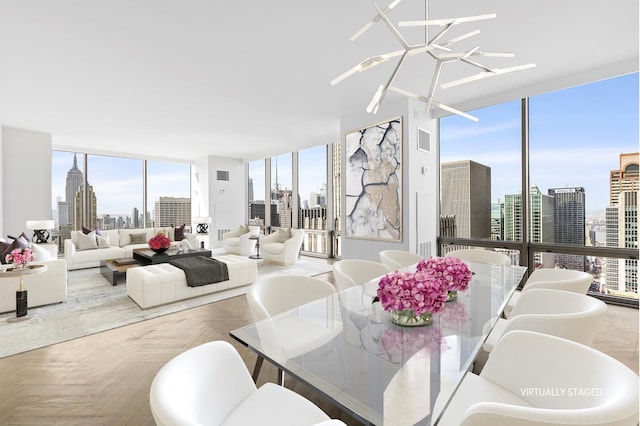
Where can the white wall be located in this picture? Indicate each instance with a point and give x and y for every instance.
(26, 178)
(1, 185)
(416, 226)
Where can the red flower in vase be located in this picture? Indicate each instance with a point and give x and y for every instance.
(159, 243)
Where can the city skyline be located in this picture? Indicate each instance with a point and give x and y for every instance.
(593, 123)
(118, 181)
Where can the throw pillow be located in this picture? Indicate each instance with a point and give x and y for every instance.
(179, 232)
(138, 238)
(6, 248)
(103, 241)
(87, 230)
(22, 239)
(40, 253)
(88, 241)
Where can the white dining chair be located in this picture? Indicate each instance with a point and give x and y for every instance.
(538, 379)
(481, 256)
(559, 313)
(352, 272)
(210, 385)
(397, 259)
(288, 337)
(557, 279)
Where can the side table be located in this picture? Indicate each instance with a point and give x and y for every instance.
(257, 238)
(21, 293)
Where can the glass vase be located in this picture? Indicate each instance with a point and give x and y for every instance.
(452, 295)
(408, 318)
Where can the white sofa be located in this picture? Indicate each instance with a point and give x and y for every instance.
(43, 289)
(119, 246)
(155, 285)
(282, 246)
(238, 242)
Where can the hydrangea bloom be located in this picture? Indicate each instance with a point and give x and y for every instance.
(454, 273)
(424, 290)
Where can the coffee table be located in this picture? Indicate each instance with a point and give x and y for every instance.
(115, 270)
(149, 257)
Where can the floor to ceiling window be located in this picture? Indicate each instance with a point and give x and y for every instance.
(116, 187)
(584, 158)
(581, 210)
(256, 193)
(106, 192)
(168, 194)
(281, 191)
(312, 205)
(67, 176)
(479, 197)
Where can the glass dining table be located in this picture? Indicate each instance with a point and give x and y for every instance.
(346, 347)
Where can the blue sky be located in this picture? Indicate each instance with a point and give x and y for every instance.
(576, 137)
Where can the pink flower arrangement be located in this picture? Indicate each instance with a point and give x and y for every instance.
(454, 273)
(426, 289)
(418, 291)
(20, 257)
(159, 242)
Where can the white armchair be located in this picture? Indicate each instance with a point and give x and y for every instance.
(282, 246)
(556, 312)
(210, 385)
(398, 259)
(238, 242)
(556, 279)
(538, 379)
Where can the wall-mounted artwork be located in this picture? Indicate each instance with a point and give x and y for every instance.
(373, 182)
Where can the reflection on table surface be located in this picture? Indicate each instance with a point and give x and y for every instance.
(346, 347)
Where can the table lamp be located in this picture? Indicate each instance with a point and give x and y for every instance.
(40, 230)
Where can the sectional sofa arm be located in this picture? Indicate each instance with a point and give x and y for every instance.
(69, 251)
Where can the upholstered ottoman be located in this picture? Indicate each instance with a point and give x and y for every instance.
(155, 285)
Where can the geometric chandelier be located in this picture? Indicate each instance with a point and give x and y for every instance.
(438, 49)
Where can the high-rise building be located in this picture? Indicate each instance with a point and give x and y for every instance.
(624, 179)
(250, 191)
(79, 206)
(466, 194)
(172, 211)
(540, 219)
(621, 225)
(337, 187)
(497, 220)
(135, 218)
(75, 178)
(569, 224)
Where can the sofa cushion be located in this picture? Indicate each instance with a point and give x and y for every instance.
(179, 232)
(272, 248)
(125, 236)
(103, 241)
(87, 230)
(139, 238)
(23, 240)
(6, 248)
(87, 242)
(40, 253)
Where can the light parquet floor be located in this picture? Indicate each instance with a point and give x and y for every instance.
(104, 379)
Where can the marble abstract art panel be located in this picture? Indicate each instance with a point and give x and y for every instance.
(373, 182)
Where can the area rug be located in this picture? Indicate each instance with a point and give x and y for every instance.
(94, 305)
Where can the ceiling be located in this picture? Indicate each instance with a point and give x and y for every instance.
(250, 79)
